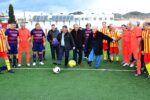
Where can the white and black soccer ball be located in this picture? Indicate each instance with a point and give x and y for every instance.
(56, 69)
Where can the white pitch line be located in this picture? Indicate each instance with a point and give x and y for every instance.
(77, 69)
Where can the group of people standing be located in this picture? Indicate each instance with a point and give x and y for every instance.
(91, 41)
(135, 45)
(62, 42)
(14, 41)
(94, 42)
(88, 41)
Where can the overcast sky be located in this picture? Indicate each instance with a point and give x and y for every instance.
(113, 6)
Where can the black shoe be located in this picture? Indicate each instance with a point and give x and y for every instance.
(90, 63)
(11, 71)
(143, 70)
(54, 63)
(2, 68)
(109, 60)
(10, 60)
(79, 64)
(59, 64)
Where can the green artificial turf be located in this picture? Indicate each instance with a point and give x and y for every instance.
(73, 85)
(43, 84)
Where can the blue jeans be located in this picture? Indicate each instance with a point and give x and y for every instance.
(91, 58)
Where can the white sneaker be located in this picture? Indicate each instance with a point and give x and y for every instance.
(125, 64)
(34, 64)
(28, 65)
(132, 65)
(41, 63)
(19, 65)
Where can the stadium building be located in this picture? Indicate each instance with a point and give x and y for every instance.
(65, 19)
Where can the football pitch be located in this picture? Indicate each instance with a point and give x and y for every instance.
(110, 82)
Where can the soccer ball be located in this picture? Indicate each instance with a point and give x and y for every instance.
(56, 69)
(72, 63)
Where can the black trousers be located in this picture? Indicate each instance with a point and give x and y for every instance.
(55, 52)
(86, 51)
(108, 51)
(132, 58)
(77, 55)
(63, 51)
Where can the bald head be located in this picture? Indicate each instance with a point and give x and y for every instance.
(95, 29)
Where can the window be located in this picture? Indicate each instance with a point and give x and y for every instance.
(76, 19)
(94, 18)
(82, 18)
(100, 18)
(111, 18)
(86, 18)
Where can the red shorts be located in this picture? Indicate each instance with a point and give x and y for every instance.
(147, 57)
(105, 46)
(114, 50)
(3, 54)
